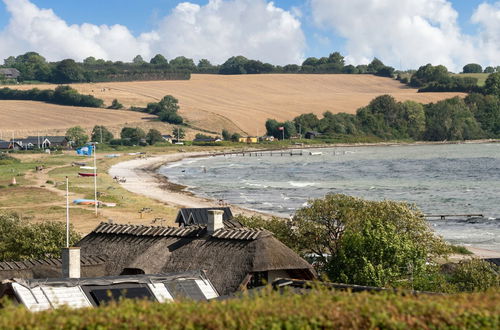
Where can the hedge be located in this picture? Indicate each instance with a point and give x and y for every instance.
(316, 310)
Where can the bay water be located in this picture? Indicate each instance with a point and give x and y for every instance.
(447, 179)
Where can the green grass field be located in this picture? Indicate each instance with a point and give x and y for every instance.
(481, 77)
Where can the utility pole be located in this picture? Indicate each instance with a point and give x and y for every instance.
(67, 212)
(100, 128)
(95, 177)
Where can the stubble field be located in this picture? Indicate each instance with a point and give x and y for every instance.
(243, 103)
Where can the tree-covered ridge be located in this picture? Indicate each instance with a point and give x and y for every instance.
(473, 117)
(34, 67)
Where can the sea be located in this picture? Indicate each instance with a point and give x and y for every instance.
(445, 179)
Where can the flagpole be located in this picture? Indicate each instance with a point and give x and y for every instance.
(95, 178)
(67, 212)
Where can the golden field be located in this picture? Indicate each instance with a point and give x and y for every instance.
(243, 103)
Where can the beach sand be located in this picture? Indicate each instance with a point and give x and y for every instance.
(142, 178)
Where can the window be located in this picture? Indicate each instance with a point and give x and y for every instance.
(107, 293)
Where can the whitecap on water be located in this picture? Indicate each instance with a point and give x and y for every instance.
(301, 184)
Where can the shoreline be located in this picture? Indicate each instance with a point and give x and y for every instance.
(142, 178)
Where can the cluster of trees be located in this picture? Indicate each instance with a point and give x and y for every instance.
(129, 136)
(473, 117)
(34, 67)
(477, 68)
(429, 78)
(166, 110)
(63, 95)
(334, 63)
(21, 239)
(385, 244)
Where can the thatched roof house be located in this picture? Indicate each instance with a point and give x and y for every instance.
(233, 258)
(199, 216)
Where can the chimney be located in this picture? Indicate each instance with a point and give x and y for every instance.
(214, 221)
(71, 262)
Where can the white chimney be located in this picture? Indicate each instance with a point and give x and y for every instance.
(71, 262)
(214, 221)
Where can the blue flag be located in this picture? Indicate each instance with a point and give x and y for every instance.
(84, 151)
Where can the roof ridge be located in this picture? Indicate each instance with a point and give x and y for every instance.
(30, 263)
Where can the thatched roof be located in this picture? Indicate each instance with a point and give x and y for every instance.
(227, 256)
(199, 216)
(50, 268)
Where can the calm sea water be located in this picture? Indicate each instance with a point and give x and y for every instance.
(440, 179)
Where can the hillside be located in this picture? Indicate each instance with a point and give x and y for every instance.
(27, 117)
(244, 102)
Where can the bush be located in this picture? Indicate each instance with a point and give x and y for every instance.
(475, 275)
(8, 160)
(21, 240)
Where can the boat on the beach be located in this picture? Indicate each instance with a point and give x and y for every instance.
(87, 174)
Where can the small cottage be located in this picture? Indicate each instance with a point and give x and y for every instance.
(233, 258)
(199, 216)
(10, 73)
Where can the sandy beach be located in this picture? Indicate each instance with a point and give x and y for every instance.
(141, 178)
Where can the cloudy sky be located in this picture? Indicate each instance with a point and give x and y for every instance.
(402, 33)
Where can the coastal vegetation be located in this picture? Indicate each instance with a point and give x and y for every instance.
(319, 309)
(474, 117)
(384, 244)
(22, 240)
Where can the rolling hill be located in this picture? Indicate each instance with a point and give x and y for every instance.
(243, 103)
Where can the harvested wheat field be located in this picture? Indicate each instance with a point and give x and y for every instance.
(244, 102)
(25, 118)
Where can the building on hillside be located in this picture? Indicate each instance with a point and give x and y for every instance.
(44, 294)
(10, 73)
(6, 145)
(200, 216)
(233, 258)
(58, 141)
(267, 138)
(311, 135)
(168, 138)
(249, 139)
(32, 142)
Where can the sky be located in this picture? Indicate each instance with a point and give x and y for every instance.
(402, 33)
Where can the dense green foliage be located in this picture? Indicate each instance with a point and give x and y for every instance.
(431, 78)
(77, 136)
(153, 136)
(319, 309)
(115, 105)
(21, 240)
(101, 134)
(350, 240)
(133, 136)
(63, 95)
(178, 133)
(166, 110)
(474, 117)
(472, 68)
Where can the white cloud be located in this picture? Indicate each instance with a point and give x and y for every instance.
(410, 32)
(220, 29)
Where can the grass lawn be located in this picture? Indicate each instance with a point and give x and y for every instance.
(481, 77)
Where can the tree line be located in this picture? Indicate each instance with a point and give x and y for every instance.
(473, 117)
(34, 67)
(63, 95)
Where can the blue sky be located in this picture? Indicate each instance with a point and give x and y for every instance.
(323, 28)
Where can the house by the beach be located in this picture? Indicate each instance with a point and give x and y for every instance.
(233, 258)
(9, 73)
(249, 139)
(168, 138)
(200, 216)
(43, 294)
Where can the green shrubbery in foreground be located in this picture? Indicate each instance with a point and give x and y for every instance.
(317, 310)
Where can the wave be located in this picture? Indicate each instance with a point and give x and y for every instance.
(301, 184)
